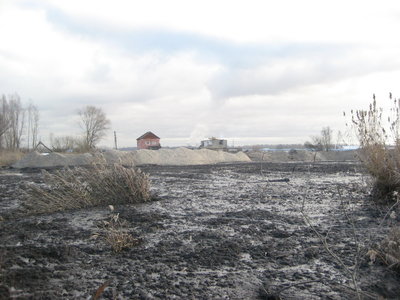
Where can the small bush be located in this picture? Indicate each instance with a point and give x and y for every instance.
(63, 143)
(69, 144)
(7, 158)
(100, 184)
(380, 147)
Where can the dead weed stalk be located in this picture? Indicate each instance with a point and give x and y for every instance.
(390, 249)
(351, 271)
(378, 133)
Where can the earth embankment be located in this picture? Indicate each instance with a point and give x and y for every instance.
(180, 156)
(303, 156)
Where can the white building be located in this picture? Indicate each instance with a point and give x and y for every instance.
(214, 144)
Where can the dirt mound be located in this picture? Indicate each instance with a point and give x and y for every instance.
(180, 156)
(37, 160)
(301, 155)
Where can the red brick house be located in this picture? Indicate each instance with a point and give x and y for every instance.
(148, 141)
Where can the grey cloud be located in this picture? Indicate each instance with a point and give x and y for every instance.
(282, 75)
(240, 75)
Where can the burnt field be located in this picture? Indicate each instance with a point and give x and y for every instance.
(230, 231)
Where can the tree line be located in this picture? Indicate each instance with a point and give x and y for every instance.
(17, 121)
(19, 127)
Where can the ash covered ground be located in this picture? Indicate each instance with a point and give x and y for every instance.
(231, 231)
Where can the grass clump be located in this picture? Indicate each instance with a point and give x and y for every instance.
(378, 135)
(7, 158)
(119, 240)
(81, 187)
(116, 235)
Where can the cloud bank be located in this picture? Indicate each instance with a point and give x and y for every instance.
(274, 72)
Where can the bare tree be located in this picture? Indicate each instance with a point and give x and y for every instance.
(314, 145)
(339, 140)
(33, 125)
(326, 138)
(16, 116)
(322, 142)
(4, 119)
(94, 123)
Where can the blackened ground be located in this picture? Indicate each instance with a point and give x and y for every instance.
(232, 231)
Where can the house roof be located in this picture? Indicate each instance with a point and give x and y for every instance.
(148, 135)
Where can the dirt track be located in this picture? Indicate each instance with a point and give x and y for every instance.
(231, 231)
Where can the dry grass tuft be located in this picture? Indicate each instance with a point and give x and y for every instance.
(117, 236)
(7, 158)
(98, 185)
(119, 240)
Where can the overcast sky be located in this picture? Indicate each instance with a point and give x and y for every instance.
(249, 71)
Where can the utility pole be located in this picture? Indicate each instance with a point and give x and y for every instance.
(115, 140)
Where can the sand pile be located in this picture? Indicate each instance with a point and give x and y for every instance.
(180, 156)
(184, 156)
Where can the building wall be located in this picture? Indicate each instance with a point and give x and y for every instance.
(214, 144)
(146, 143)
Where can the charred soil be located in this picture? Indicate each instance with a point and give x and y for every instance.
(229, 231)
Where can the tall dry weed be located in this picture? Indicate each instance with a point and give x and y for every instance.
(80, 187)
(378, 135)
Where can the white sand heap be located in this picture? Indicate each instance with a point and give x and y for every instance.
(180, 156)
